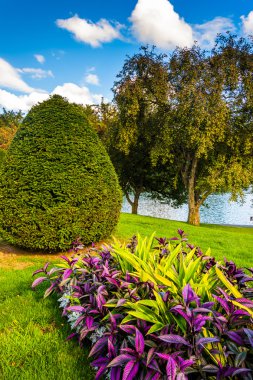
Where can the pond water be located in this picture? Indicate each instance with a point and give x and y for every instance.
(219, 211)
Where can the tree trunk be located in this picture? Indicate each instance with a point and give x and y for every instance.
(135, 203)
(193, 204)
(193, 214)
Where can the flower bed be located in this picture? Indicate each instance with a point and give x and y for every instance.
(157, 309)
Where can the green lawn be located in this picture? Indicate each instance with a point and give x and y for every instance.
(32, 331)
(33, 334)
(234, 243)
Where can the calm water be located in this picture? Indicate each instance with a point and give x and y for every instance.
(220, 210)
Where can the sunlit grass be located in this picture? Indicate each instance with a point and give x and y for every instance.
(33, 334)
(234, 243)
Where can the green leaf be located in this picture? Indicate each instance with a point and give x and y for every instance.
(228, 284)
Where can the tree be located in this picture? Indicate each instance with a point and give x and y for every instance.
(141, 98)
(208, 134)
(57, 182)
(9, 123)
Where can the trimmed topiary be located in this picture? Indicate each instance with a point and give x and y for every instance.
(57, 182)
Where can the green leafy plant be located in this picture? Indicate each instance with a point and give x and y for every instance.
(140, 329)
(57, 181)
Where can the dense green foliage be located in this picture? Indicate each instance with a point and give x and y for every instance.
(183, 125)
(157, 308)
(58, 182)
(208, 134)
(9, 124)
(141, 97)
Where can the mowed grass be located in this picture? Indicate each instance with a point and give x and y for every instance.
(32, 331)
(234, 243)
(33, 334)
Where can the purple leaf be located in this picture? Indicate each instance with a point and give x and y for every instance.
(185, 364)
(210, 368)
(178, 309)
(98, 346)
(139, 342)
(171, 369)
(150, 355)
(201, 310)
(89, 322)
(111, 349)
(181, 376)
(100, 372)
(235, 337)
(75, 260)
(180, 232)
(239, 371)
(130, 370)
(38, 281)
(78, 309)
(208, 305)
(66, 259)
(38, 271)
(129, 329)
(115, 373)
(120, 360)
(45, 267)
(121, 302)
(245, 302)
(152, 376)
(79, 320)
(189, 295)
(71, 336)
(175, 339)
(99, 362)
(203, 341)
(163, 356)
(249, 334)
(67, 273)
(49, 290)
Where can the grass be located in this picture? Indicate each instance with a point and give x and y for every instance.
(234, 243)
(32, 332)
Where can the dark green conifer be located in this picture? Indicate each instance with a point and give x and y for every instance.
(57, 182)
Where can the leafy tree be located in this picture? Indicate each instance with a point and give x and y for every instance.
(141, 97)
(9, 124)
(208, 134)
(58, 182)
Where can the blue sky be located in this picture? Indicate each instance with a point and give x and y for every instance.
(76, 47)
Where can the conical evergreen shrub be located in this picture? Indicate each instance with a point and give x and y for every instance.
(57, 181)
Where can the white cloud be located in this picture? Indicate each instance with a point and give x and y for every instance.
(247, 23)
(156, 22)
(74, 93)
(77, 94)
(22, 102)
(89, 32)
(40, 58)
(92, 79)
(36, 73)
(206, 33)
(10, 78)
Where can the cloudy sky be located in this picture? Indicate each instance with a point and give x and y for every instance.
(75, 48)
